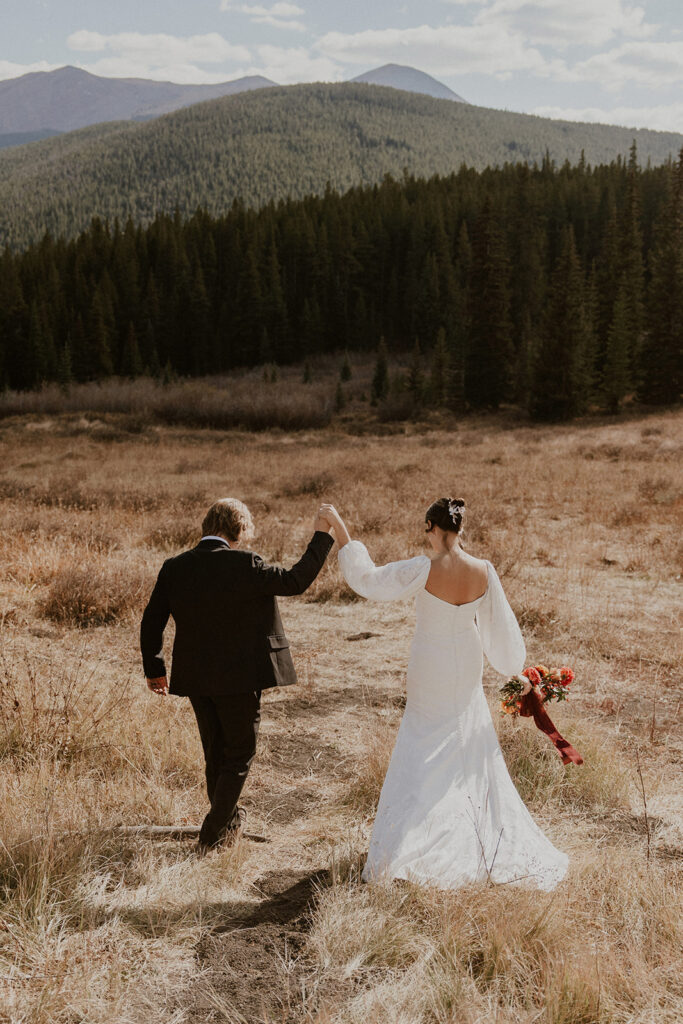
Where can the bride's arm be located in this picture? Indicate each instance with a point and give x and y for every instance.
(377, 583)
(501, 636)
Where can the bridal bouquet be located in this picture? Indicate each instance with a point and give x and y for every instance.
(546, 685)
(553, 684)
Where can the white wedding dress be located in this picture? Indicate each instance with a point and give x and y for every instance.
(449, 812)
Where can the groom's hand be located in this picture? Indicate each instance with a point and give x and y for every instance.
(329, 513)
(322, 525)
(159, 685)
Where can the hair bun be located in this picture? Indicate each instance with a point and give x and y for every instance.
(447, 514)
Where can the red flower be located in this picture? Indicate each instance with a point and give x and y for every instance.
(533, 675)
(566, 676)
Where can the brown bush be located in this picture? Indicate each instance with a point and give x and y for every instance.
(177, 535)
(95, 593)
(220, 403)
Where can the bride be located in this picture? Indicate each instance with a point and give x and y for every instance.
(449, 812)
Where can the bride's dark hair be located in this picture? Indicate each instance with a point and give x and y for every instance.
(448, 513)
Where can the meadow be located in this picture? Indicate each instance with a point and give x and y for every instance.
(583, 525)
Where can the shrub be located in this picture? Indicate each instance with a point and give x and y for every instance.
(95, 593)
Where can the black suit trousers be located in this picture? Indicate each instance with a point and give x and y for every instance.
(228, 727)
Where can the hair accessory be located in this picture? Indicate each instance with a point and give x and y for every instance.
(456, 508)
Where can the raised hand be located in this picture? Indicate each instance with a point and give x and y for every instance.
(336, 522)
(322, 523)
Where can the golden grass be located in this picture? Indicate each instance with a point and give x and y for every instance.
(582, 523)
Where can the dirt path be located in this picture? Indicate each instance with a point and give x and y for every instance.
(253, 966)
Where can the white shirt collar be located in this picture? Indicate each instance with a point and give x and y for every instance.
(212, 536)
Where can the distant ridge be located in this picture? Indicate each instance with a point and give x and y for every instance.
(70, 98)
(400, 76)
(44, 103)
(291, 141)
(21, 138)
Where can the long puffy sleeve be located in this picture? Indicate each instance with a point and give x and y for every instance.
(501, 636)
(385, 582)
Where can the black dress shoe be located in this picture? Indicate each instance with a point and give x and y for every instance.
(228, 835)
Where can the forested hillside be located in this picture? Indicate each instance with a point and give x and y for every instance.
(553, 288)
(277, 143)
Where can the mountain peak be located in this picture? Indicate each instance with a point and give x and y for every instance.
(69, 98)
(401, 76)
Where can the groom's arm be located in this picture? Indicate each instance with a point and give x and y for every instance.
(269, 580)
(154, 619)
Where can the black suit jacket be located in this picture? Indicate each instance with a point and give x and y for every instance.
(229, 636)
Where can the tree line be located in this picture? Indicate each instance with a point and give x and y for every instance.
(552, 287)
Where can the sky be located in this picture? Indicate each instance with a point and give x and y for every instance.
(612, 61)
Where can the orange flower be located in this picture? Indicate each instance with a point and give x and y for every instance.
(542, 670)
(533, 675)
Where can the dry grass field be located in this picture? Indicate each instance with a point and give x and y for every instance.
(583, 524)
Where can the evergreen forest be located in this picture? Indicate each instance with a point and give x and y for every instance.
(556, 288)
(279, 143)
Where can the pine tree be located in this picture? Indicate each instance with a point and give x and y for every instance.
(617, 369)
(35, 362)
(489, 358)
(275, 306)
(607, 280)
(200, 335)
(339, 397)
(150, 355)
(380, 379)
(440, 370)
(345, 373)
(64, 371)
(415, 380)
(460, 323)
(310, 327)
(561, 381)
(100, 357)
(265, 351)
(630, 292)
(360, 333)
(662, 355)
(131, 364)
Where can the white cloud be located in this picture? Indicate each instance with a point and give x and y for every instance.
(657, 65)
(279, 15)
(288, 65)
(563, 23)
(150, 52)
(662, 118)
(183, 74)
(448, 50)
(86, 41)
(9, 69)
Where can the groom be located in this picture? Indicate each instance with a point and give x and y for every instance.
(229, 646)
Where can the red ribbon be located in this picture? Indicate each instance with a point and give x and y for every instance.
(532, 705)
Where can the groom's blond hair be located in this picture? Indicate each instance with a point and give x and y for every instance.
(230, 518)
